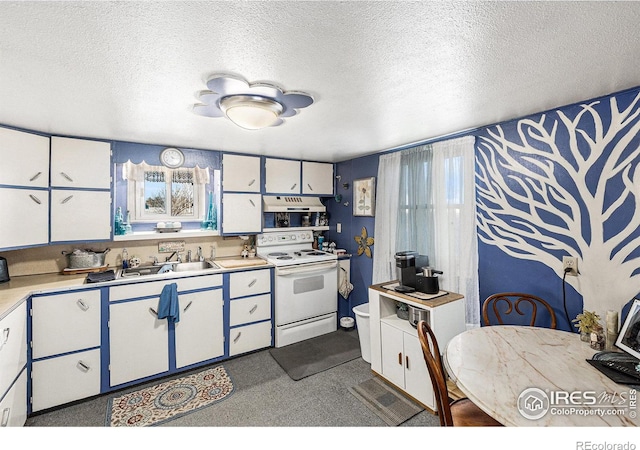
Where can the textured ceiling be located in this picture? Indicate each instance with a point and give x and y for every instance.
(383, 74)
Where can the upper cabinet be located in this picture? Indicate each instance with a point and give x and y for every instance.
(25, 164)
(81, 190)
(25, 159)
(317, 178)
(240, 173)
(79, 163)
(282, 176)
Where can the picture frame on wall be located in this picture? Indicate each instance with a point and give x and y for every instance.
(364, 197)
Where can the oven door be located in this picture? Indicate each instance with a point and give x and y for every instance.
(306, 290)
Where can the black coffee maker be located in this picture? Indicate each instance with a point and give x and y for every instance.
(406, 271)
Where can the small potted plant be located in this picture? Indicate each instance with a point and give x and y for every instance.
(402, 310)
(587, 322)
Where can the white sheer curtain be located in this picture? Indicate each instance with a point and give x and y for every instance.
(428, 197)
(416, 226)
(456, 252)
(388, 186)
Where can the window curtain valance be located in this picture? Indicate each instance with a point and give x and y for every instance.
(136, 172)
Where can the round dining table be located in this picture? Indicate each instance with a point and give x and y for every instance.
(528, 376)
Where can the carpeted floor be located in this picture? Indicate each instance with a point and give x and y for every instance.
(264, 396)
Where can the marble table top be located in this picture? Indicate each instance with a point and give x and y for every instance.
(525, 376)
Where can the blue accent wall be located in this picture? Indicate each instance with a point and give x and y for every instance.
(361, 266)
(573, 174)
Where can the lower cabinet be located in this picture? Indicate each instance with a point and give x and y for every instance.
(64, 379)
(13, 406)
(199, 333)
(249, 337)
(138, 341)
(141, 345)
(403, 363)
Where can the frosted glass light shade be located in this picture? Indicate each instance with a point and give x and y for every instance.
(250, 111)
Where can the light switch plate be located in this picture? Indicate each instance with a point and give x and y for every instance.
(339, 227)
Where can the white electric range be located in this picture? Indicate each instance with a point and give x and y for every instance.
(306, 297)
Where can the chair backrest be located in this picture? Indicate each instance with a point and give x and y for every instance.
(507, 305)
(432, 357)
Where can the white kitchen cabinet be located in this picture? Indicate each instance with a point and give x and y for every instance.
(241, 213)
(282, 176)
(64, 379)
(80, 215)
(250, 311)
(13, 406)
(200, 331)
(80, 163)
(138, 341)
(240, 173)
(64, 323)
(250, 282)
(403, 362)
(396, 354)
(25, 159)
(249, 337)
(317, 178)
(65, 342)
(13, 346)
(26, 217)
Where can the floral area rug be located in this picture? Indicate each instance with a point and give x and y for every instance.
(169, 400)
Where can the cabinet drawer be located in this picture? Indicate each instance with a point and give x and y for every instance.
(13, 407)
(250, 337)
(56, 381)
(154, 288)
(249, 283)
(13, 346)
(65, 322)
(250, 309)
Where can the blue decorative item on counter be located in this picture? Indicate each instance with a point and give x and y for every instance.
(118, 228)
(211, 220)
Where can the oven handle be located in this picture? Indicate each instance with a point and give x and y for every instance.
(306, 268)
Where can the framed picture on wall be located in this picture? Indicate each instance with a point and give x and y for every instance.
(364, 196)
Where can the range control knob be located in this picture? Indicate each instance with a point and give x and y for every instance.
(293, 237)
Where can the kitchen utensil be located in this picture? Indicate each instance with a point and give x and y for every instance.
(416, 315)
(84, 259)
(427, 282)
(4, 270)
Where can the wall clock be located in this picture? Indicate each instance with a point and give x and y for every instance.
(171, 157)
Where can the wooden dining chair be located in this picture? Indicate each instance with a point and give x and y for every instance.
(461, 412)
(513, 307)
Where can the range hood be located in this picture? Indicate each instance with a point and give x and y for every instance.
(284, 203)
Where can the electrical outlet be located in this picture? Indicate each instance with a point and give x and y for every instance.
(339, 227)
(570, 265)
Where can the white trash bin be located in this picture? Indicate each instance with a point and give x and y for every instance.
(362, 322)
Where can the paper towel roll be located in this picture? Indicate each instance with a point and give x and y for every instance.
(612, 321)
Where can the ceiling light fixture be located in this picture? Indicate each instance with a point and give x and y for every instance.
(250, 106)
(250, 111)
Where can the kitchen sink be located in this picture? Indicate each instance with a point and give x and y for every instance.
(168, 267)
(139, 271)
(197, 265)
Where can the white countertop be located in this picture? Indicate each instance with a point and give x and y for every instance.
(18, 289)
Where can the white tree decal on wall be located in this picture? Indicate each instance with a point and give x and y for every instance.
(568, 186)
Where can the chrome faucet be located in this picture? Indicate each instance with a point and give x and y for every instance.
(199, 254)
(178, 258)
(189, 256)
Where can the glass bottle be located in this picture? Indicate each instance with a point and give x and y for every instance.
(127, 227)
(118, 228)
